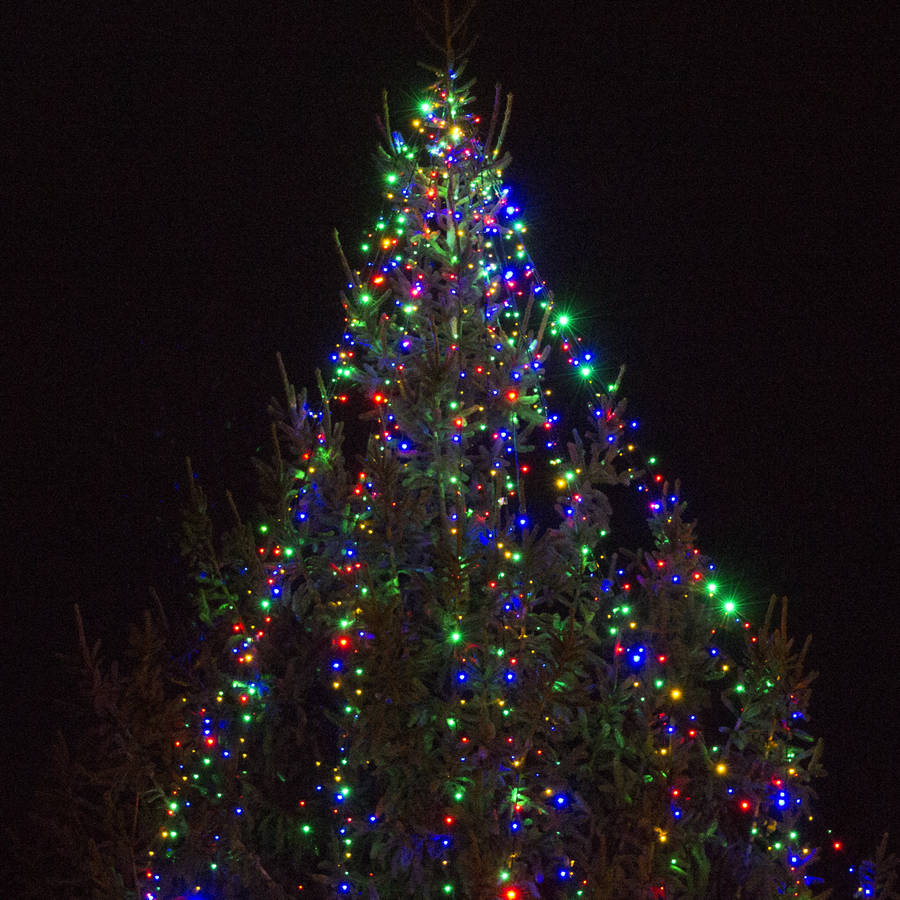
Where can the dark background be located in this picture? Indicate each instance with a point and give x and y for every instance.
(705, 184)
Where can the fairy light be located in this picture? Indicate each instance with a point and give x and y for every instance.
(488, 397)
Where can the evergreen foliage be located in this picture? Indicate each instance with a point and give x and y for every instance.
(411, 677)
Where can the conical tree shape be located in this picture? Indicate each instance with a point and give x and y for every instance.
(416, 680)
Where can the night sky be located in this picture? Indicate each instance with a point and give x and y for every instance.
(707, 190)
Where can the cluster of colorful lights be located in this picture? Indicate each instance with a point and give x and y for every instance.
(533, 642)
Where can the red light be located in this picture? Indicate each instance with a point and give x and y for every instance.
(512, 396)
(838, 845)
(745, 805)
(448, 820)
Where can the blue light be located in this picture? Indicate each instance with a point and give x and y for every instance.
(637, 656)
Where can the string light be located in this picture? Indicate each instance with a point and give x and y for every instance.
(476, 333)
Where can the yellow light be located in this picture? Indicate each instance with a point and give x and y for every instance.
(676, 693)
(721, 769)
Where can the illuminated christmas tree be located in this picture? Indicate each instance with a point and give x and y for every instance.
(435, 674)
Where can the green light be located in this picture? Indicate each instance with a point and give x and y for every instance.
(306, 829)
(458, 795)
(263, 529)
(739, 688)
(729, 606)
(586, 371)
(392, 178)
(504, 875)
(652, 461)
(448, 888)
(455, 637)
(288, 551)
(425, 107)
(563, 320)
(712, 587)
(365, 298)
(451, 723)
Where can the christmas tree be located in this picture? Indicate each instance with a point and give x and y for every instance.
(434, 672)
